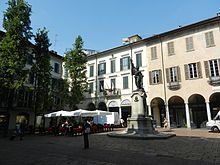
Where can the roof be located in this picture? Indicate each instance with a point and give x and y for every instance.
(161, 35)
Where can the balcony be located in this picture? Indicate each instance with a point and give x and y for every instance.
(174, 85)
(112, 93)
(214, 81)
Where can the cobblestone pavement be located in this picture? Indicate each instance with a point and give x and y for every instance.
(186, 148)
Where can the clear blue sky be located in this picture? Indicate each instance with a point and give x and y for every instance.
(103, 23)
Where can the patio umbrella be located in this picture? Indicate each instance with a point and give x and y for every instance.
(83, 113)
(58, 113)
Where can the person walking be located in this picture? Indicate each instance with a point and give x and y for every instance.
(86, 131)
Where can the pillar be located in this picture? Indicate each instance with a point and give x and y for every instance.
(208, 111)
(188, 123)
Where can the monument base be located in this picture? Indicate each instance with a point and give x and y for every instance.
(140, 125)
(140, 128)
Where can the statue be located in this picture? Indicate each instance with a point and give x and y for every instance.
(137, 75)
(139, 83)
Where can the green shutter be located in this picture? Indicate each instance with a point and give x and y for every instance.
(206, 64)
(186, 72)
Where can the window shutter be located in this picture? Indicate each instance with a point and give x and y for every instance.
(129, 63)
(186, 72)
(168, 75)
(199, 70)
(206, 64)
(211, 39)
(207, 39)
(218, 64)
(121, 64)
(178, 74)
(104, 68)
(160, 76)
(150, 78)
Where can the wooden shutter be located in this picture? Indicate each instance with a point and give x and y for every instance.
(206, 64)
(199, 69)
(168, 75)
(150, 77)
(186, 72)
(121, 64)
(160, 76)
(178, 74)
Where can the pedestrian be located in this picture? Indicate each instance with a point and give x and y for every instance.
(16, 132)
(165, 122)
(86, 131)
(22, 129)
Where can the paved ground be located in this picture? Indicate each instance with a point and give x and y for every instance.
(189, 147)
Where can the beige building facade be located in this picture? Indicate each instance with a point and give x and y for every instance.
(181, 75)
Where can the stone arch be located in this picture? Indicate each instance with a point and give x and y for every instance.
(91, 106)
(214, 101)
(177, 111)
(113, 106)
(158, 110)
(197, 109)
(102, 106)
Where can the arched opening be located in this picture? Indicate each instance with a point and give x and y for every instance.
(22, 117)
(214, 102)
(158, 110)
(91, 107)
(197, 108)
(113, 106)
(125, 110)
(102, 106)
(177, 112)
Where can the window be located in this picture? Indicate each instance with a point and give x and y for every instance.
(214, 68)
(138, 60)
(173, 74)
(170, 46)
(56, 67)
(125, 82)
(193, 70)
(112, 66)
(113, 84)
(91, 71)
(101, 85)
(209, 39)
(91, 87)
(155, 77)
(153, 53)
(189, 44)
(101, 69)
(125, 63)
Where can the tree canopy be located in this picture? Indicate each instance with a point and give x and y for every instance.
(75, 63)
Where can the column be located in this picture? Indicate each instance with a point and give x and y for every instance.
(208, 111)
(149, 111)
(167, 115)
(120, 113)
(187, 115)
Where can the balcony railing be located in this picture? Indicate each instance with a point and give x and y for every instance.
(214, 81)
(112, 92)
(174, 85)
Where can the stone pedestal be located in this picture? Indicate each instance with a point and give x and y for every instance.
(138, 123)
(139, 126)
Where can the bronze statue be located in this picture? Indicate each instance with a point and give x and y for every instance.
(137, 75)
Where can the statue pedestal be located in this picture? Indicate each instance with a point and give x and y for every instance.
(139, 126)
(138, 123)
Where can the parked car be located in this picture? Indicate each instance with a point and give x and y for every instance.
(214, 125)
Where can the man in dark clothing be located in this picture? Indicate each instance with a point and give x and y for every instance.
(86, 131)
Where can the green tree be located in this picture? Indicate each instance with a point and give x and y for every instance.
(75, 62)
(14, 47)
(41, 70)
